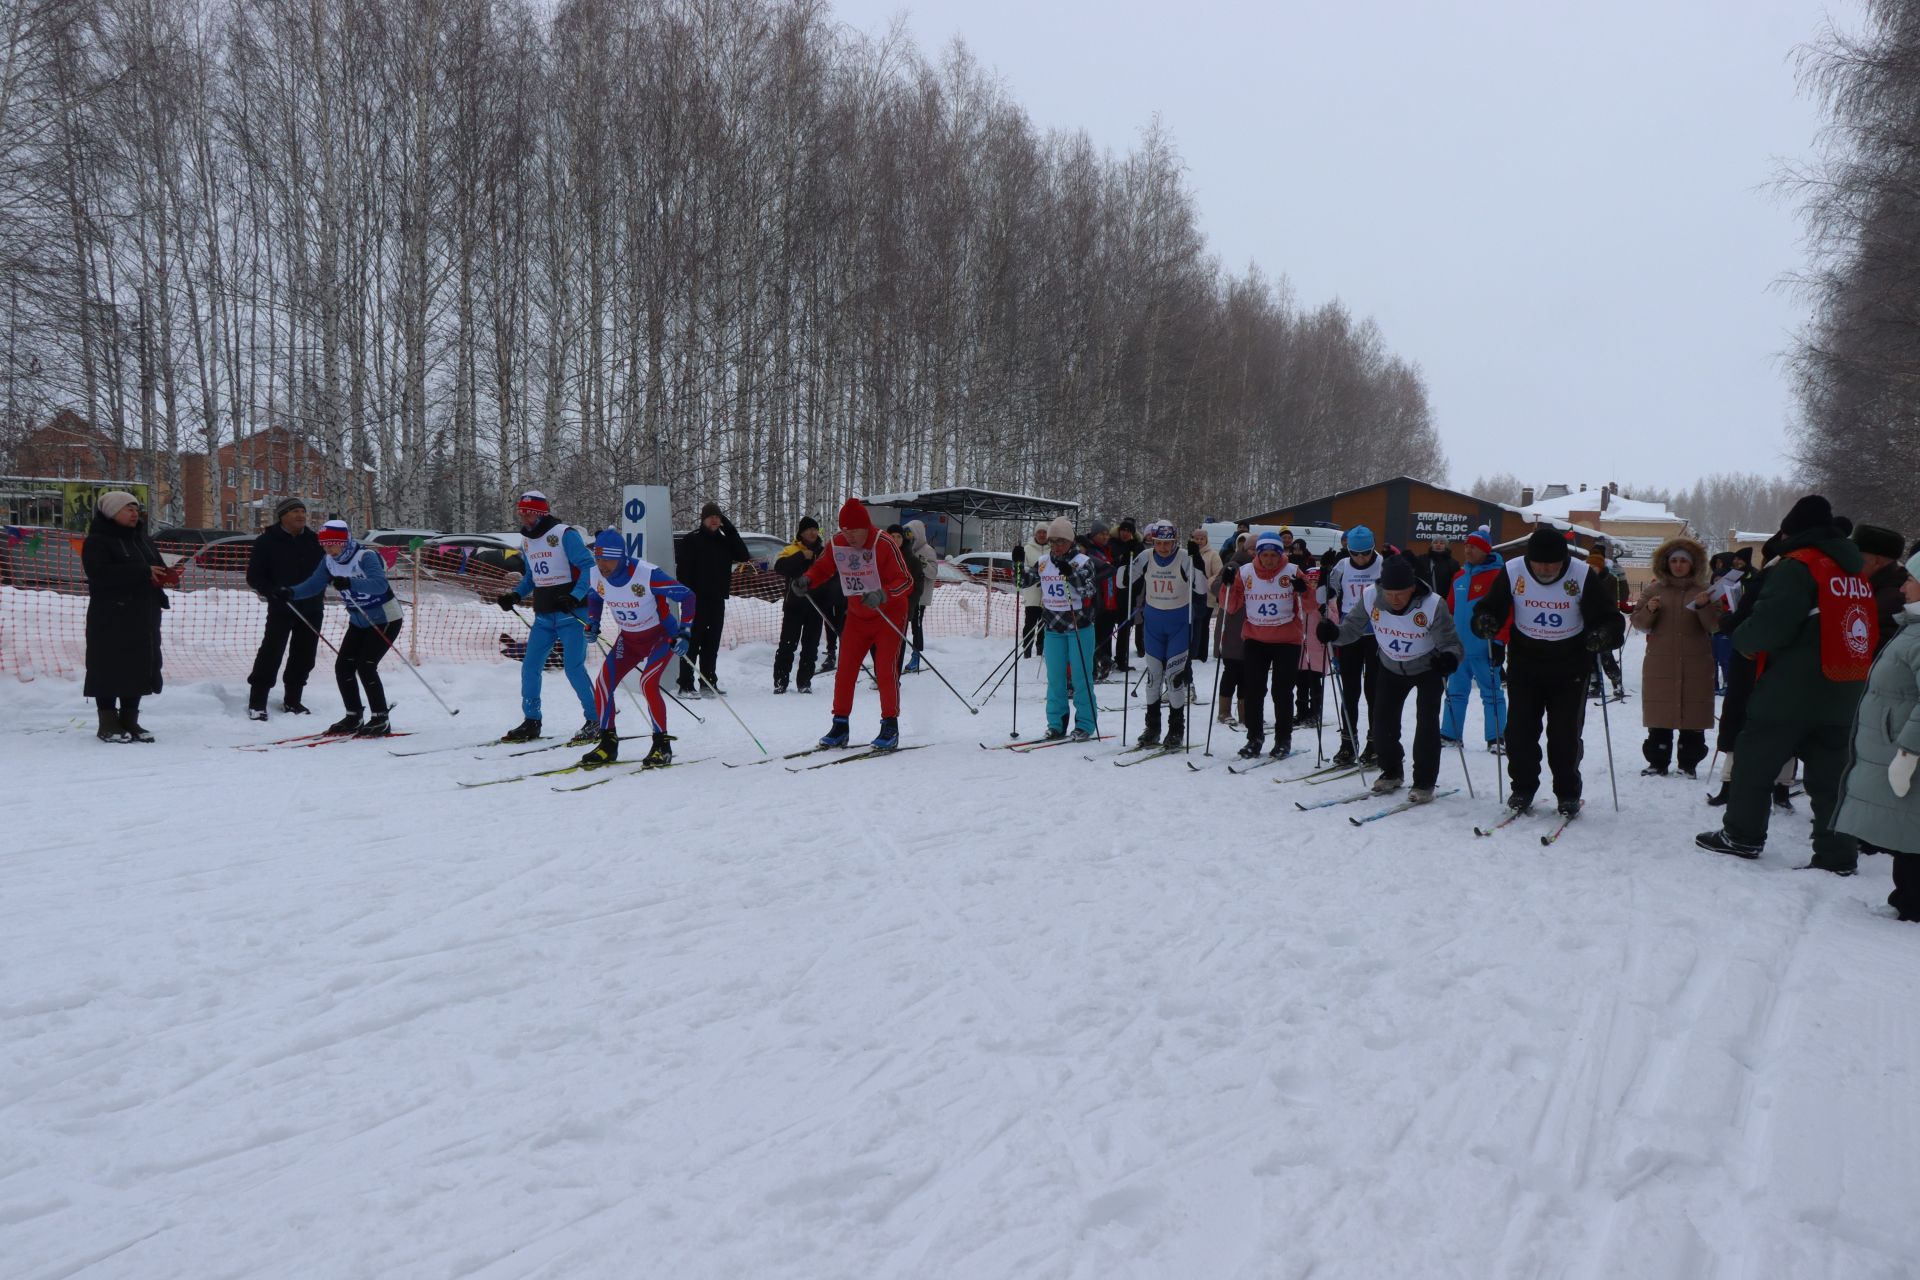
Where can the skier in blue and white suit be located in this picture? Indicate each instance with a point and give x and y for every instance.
(1167, 579)
(373, 621)
(556, 576)
(636, 594)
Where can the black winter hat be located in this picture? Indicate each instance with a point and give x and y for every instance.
(1396, 575)
(1877, 541)
(1810, 512)
(1126, 523)
(806, 523)
(712, 509)
(1547, 545)
(1844, 524)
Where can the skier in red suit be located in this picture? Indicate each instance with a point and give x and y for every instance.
(878, 591)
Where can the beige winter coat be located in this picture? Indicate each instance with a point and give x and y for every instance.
(1676, 679)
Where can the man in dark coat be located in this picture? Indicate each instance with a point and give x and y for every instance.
(800, 618)
(284, 555)
(125, 593)
(703, 562)
(1881, 551)
(1438, 566)
(1799, 708)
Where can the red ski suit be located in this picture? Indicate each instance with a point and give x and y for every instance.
(867, 631)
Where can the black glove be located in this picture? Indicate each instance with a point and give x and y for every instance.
(1326, 632)
(1486, 626)
(1597, 642)
(1300, 586)
(1193, 549)
(343, 584)
(506, 600)
(283, 594)
(1445, 662)
(1020, 555)
(800, 586)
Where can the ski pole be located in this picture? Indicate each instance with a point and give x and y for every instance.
(973, 710)
(1019, 628)
(1346, 729)
(323, 639)
(714, 690)
(1499, 765)
(1004, 670)
(828, 622)
(1219, 665)
(1607, 726)
(452, 711)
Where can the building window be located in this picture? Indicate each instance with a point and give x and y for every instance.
(279, 482)
(230, 480)
(230, 515)
(259, 480)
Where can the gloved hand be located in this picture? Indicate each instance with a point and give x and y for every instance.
(283, 594)
(1020, 554)
(800, 586)
(593, 632)
(1300, 585)
(874, 599)
(1900, 772)
(681, 644)
(342, 584)
(1325, 632)
(1596, 642)
(506, 600)
(1485, 625)
(1445, 662)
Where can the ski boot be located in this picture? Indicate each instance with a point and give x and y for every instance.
(257, 713)
(1721, 842)
(589, 731)
(1520, 801)
(1386, 784)
(1255, 741)
(1054, 735)
(1448, 744)
(779, 686)
(526, 731)
(291, 704)
(828, 665)
(889, 736)
(1497, 746)
(1369, 757)
(1176, 730)
(1654, 771)
(1079, 735)
(1420, 795)
(913, 666)
(1782, 800)
(1568, 807)
(606, 753)
(1344, 757)
(1150, 732)
(836, 736)
(1281, 747)
(660, 755)
(346, 724)
(376, 727)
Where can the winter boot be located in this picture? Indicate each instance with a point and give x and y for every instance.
(111, 730)
(291, 704)
(1568, 808)
(1370, 756)
(1386, 784)
(660, 754)
(1497, 746)
(377, 727)
(1520, 801)
(1420, 795)
(1719, 798)
(1781, 799)
(1150, 733)
(589, 731)
(256, 713)
(1225, 713)
(836, 736)
(257, 704)
(780, 685)
(889, 736)
(606, 752)
(913, 665)
(1655, 771)
(1344, 756)
(525, 731)
(1721, 842)
(828, 665)
(1255, 741)
(1176, 729)
(346, 724)
(130, 720)
(1831, 868)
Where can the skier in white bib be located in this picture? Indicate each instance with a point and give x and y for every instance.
(1358, 663)
(1167, 578)
(1418, 650)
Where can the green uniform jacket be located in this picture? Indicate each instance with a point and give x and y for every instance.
(1786, 629)
(1889, 721)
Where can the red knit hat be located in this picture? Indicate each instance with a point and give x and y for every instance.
(853, 515)
(1479, 538)
(333, 531)
(534, 502)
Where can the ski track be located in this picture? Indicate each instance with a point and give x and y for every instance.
(959, 1014)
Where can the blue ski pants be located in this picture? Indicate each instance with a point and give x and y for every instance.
(1070, 658)
(570, 630)
(1476, 668)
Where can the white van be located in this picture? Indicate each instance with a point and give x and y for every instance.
(1319, 538)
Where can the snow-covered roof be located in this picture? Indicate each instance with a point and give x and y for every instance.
(1623, 510)
(1750, 537)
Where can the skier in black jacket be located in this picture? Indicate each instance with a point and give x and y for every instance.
(1564, 616)
(284, 555)
(703, 562)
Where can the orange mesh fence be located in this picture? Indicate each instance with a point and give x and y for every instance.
(215, 621)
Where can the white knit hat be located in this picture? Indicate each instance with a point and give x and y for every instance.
(1061, 528)
(114, 501)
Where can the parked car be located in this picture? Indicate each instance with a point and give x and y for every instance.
(456, 553)
(221, 562)
(401, 537)
(1318, 537)
(948, 571)
(983, 566)
(186, 535)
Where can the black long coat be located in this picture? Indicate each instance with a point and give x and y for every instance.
(123, 610)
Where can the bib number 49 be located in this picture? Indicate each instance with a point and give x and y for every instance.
(1545, 619)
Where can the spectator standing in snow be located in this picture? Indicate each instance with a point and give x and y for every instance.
(1203, 607)
(926, 580)
(1881, 806)
(126, 590)
(800, 621)
(1031, 610)
(1679, 617)
(1880, 555)
(284, 555)
(703, 562)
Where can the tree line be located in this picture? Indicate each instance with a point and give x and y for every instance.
(728, 245)
(1857, 363)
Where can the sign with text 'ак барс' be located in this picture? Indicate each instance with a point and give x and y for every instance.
(1428, 525)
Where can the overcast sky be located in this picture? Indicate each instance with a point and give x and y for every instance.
(1562, 211)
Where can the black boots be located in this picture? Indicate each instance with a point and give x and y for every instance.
(111, 730)
(660, 755)
(606, 753)
(1176, 729)
(1150, 734)
(375, 727)
(349, 723)
(525, 731)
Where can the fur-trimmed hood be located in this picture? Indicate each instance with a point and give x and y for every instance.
(1664, 576)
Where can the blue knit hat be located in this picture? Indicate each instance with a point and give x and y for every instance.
(1359, 538)
(608, 544)
(1269, 541)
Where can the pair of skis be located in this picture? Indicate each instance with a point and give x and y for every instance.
(1262, 762)
(1403, 806)
(314, 740)
(1562, 822)
(1029, 745)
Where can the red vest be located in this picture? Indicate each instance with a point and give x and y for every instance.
(1849, 624)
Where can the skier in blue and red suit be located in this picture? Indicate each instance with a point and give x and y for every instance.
(637, 594)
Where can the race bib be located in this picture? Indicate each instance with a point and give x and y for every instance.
(1402, 636)
(859, 569)
(1269, 603)
(1548, 611)
(1056, 594)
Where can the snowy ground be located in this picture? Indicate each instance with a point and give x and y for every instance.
(955, 1014)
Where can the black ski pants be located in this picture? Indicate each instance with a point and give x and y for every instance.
(1658, 748)
(1429, 689)
(799, 630)
(1359, 674)
(297, 639)
(1559, 696)
(1258, 660)
(1032, 627)
(1765, 748)
(1905, 898)
(703, 646)
(357, 667)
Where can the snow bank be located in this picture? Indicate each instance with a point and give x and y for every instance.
(956, 1014)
